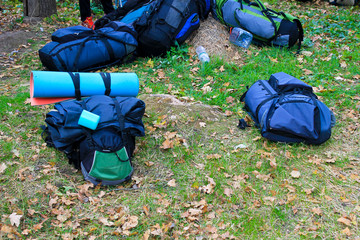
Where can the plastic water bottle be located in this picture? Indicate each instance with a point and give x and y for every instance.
(203, 56)
(240, 37)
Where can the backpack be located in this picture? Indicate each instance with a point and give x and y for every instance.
(79, 48)
(104, 154)
(267, 26)
(285, 109)
(344, 2)
(160, 24)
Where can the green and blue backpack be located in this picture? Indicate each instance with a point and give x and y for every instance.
(267, 26)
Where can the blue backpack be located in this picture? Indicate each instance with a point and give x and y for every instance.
(78, 48)
(285, 109)
(104, 154)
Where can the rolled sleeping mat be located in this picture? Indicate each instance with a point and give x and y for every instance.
(50, 87)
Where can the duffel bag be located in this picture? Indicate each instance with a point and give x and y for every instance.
(78, 48)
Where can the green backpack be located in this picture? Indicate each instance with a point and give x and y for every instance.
(267, 26)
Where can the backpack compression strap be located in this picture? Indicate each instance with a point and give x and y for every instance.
(121, 117)
(266, 13)
(76, 80)
(107, 82)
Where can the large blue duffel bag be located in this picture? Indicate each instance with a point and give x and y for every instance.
(286, 110)
(82, 49)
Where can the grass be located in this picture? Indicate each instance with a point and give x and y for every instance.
(222, 190)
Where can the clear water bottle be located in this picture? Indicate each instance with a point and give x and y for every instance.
(240, 37)
(203, 56)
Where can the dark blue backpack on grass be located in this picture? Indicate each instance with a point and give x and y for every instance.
(285, 109)
(104, 154)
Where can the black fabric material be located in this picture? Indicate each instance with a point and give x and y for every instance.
(107, 82)
(76, 80)
(85, 10)
(158, 37)
(242, 124)
(119, 12)
(289, 28)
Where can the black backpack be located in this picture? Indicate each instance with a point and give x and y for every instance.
(172, 23)
(160, 24)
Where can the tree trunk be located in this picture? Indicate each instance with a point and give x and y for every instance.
(39, 8)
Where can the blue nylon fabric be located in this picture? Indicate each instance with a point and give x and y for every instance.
(282, 82)
(288, 111)
(65, 131)
(74, 32)
(261, 90)
(295, 115)
(134, 15)
(187, 25)
(90, 50)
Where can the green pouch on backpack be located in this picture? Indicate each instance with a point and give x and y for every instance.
(111, 166)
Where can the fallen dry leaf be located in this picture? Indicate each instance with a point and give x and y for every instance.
(208, 188)
(167, 144)
(306, 53)
(15, 219)
(202, 124)
(230, 99)
(149, 163)
(273, 163)
(105, 221)
(146, 235)
(308, 191)
(317, 211)
(146, 210)
(213, 156)
(172, 183)
(345, 221)
(228, 192)
(148, 90)
(53, 201)
(131, 222)
(295, 174)
(307, 71)
(347, 232)
(2, 167)
(258, 165)
(228, 113)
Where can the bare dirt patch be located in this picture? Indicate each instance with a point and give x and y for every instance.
(10, 41)
(213, 36)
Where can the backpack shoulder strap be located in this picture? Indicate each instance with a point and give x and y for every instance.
(301, 33)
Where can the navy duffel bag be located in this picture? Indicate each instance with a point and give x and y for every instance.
(82, 49)
(286, 110)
